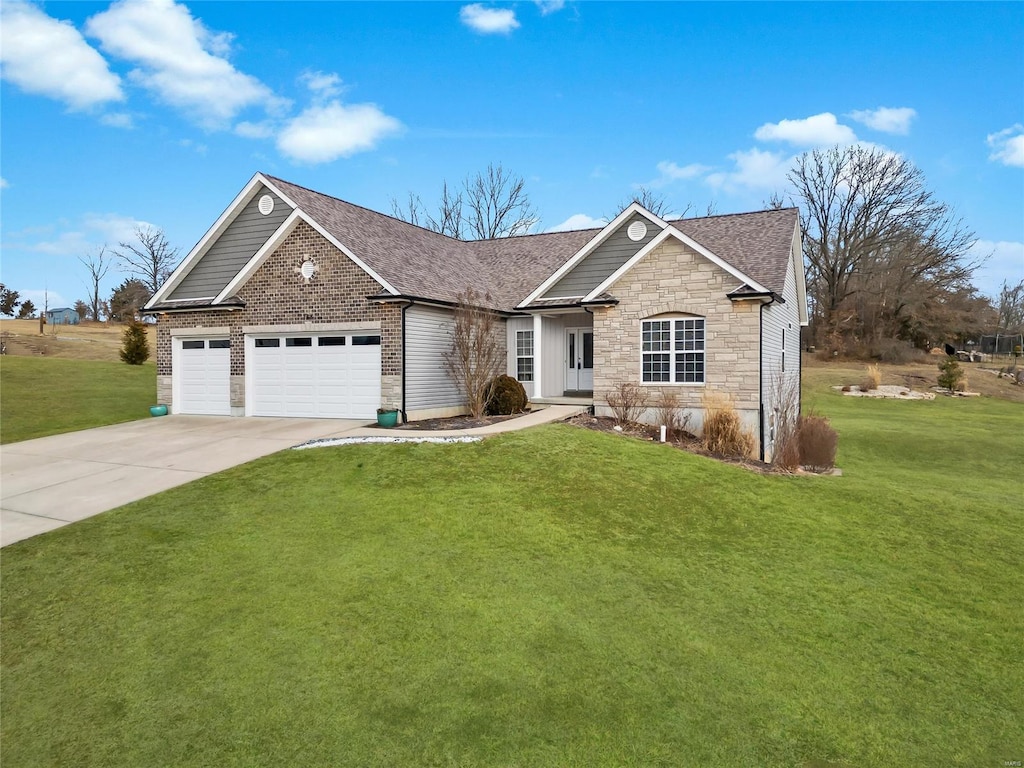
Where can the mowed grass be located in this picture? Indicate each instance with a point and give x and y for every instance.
(42, 396)
(548, 597)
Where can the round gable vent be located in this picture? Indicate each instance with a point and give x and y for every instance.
(308, 269)
(637, 231)
(266, 205)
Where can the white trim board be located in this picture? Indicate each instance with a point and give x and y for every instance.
(332, 240)
(610, 228)
(199, 250)
(666, 233)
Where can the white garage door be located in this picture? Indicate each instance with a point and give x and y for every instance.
(329, 375)
(203, 377)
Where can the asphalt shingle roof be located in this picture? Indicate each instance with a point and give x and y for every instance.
(422, 263)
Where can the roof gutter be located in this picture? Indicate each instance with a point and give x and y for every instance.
(198, 308)
(388, 298)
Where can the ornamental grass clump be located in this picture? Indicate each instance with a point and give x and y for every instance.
(818, 442)
(873, 379)
(723, 432)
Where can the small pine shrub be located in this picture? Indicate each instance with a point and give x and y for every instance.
(507, 396)
(723, 432)
(873, 378)
(818, 442)
(628, 401)
(134, 344)
(951, 375)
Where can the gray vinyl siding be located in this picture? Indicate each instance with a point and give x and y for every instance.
(775, 319)
(232, 250)
(603, 261)
(427, 336)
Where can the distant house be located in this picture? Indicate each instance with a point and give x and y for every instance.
(62, 316)
(299, 304)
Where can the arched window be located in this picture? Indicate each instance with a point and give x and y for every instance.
(673, 350)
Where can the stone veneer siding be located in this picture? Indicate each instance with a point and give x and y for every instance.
(675, 279)
(278, 295)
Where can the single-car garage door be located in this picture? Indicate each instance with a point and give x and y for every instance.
(203, 371)
(329, 375)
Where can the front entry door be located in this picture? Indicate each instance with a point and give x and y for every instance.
(579, 360)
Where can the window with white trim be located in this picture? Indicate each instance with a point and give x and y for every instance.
(524, 355)
(673, 351)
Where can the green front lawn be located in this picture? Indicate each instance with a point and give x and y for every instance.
(549, 597)
(42, 396)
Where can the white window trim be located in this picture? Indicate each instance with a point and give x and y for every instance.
(673, 352)
(531, 357)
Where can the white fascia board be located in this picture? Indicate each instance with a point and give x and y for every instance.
(666, 233)
(260, 256)
(359, 262)
(797, 257)
(599, 238)
(241, 200)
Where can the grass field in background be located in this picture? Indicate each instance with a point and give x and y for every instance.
(42, 396)
(548, 597)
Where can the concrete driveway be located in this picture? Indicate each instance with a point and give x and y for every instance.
(52, 481)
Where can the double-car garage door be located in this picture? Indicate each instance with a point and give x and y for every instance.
(322, 375)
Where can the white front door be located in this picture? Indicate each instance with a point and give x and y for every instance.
(579, 360)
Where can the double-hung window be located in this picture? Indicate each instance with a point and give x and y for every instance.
(524, 355)
(673, 351)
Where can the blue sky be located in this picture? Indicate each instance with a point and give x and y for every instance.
(158, 112)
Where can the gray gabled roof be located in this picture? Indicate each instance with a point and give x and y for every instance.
(758, 244)
(420, 263)
(423, 263)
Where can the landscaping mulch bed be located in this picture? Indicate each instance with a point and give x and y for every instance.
(683, 441)
(456, 422)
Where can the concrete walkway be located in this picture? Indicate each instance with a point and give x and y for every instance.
(52, 481)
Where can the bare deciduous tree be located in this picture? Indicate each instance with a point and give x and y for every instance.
(477, 351)
(1011, 307)
(98, 265)
(491, 204)
(876, 241)
(655, 202)
(151, 259)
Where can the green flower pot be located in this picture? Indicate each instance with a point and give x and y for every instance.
(387, 418)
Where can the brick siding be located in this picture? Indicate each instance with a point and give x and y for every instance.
(277, 294)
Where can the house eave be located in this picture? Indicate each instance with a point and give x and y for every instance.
(405, 298)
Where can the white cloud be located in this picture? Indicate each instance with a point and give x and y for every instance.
(814, 131)
(41, 298)
(323, 133)
(67, 239)
(43, 55)
(249, 130)
(117, 120)
(549, 6)
(1008, 146)
(886, 119)
(488, 21)
(180, 60)
(753, 169)
(323, 84)
(4, 184)
(578, 221)
(1005, 263)
(669, 172)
